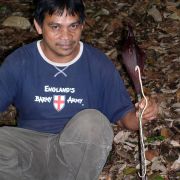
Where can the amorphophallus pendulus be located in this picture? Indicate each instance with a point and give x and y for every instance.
(133, 58)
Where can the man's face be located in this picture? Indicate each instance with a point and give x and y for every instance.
(61, 35)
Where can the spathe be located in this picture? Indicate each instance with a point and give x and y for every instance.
(132, 56)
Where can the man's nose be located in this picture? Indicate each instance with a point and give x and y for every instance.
(65, 33)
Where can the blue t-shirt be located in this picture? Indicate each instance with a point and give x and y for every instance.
(47, 95)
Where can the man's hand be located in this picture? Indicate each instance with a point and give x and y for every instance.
(151, 110)
(130, 120)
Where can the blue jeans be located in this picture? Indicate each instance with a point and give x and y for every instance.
(79, 152)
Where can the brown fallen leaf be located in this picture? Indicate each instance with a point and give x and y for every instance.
(116, 23)
(165, 132)
(176, 165)
(105, 177)
(178, 95)
(150, 154)
(89, 23)
(155, 13)
(161, 42)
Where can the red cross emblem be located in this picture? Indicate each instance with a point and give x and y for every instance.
(59, 102)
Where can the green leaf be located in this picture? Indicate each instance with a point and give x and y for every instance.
(129, 171)
(156, 177)
(155, 138)
(3, 9)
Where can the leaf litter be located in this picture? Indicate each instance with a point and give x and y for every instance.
(156, 25)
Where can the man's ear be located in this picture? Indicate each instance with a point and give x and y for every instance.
(82, 25)
(38, 27)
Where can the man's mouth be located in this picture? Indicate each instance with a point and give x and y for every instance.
(65, 46)
(70, 43)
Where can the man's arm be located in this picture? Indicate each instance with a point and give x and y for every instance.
(130, 120)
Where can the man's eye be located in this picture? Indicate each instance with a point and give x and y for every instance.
(74, 26)
(54, 27)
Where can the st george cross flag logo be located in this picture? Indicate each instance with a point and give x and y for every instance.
(59, 102)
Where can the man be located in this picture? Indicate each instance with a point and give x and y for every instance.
(66, 93)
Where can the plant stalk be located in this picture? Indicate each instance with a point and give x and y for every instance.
(142, 174)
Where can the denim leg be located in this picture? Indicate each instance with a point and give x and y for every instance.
(22, 154)
(85, 144)
(79, 152)
(9, 168)
(57, 166)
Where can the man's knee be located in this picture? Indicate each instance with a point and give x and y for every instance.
(89, 126)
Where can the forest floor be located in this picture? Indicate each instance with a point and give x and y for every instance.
(156, 25)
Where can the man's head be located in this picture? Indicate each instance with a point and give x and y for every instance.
(60, 22)
(73, 7)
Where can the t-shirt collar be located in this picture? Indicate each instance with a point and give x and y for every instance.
(60, 64)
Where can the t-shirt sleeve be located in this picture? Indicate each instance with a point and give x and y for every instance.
(116, 100)
(8, 83)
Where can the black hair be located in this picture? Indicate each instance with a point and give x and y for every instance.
(73, 7)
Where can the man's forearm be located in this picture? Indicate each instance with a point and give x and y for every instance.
(129, 121)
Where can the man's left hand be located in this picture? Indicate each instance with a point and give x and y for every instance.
(151, 110)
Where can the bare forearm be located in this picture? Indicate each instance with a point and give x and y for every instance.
(129, 121)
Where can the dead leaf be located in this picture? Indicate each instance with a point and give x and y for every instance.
(176, 165)
(122, 136)
(151, 154)
(174, 16)
(165, 132)
(154, 12)
(17, 21)
(90, 22)
(104, 177)
(178, 95)
(158, 35)
(175, 143)
(158, 166)
(116, 23)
